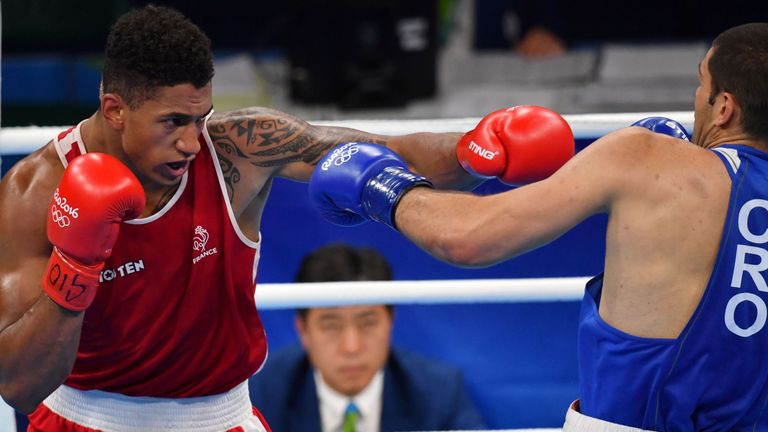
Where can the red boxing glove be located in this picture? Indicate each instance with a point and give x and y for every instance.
(96, 194)
(519, 145)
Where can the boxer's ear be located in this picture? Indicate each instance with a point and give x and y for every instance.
(727, 108)
(113, 108)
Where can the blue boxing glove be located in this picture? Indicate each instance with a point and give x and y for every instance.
(664, 126)
(355, 182)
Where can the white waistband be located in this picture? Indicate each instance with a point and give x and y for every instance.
(116, 412)
(578, 422)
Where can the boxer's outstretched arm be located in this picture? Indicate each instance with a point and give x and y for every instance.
(356, 182)
(38, 338)
(477, 231)
(268, 140)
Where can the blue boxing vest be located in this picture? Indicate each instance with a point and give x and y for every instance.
(714, 376)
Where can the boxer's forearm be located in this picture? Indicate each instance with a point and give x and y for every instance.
(476, 231)
(448, 225)
(38, 351)
(434, 155)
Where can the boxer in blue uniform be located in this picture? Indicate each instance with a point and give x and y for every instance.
(673, 335)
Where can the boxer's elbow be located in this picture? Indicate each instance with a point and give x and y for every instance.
(464, 256)
(463, 247)
(25, 391)
(461, 229)
(482, 241)
(20, 397)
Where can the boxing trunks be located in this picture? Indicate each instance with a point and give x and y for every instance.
(575, 421)
(68, 409)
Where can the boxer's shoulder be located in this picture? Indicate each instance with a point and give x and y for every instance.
(635, 144)
(39, 172)
(253, 121)
(25, 195)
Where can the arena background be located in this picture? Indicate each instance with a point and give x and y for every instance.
(453, 59)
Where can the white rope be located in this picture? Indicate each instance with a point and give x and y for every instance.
(24, 140)
(585, 126)
(291, 295)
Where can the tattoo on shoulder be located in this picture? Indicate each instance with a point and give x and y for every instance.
(231, 175)
(226, 151)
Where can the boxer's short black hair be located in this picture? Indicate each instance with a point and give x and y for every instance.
(154, 47)
(739, 65)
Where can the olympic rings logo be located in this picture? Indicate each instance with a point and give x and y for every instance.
(59, 218)
(341, 155)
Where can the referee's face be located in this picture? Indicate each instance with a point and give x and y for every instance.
(348, 345)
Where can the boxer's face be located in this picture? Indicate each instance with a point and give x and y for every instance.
(160, 137)
(348, 345)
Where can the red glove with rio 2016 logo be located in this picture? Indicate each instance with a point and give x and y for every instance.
(95, 195)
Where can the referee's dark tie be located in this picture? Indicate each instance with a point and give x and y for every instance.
(350, 418)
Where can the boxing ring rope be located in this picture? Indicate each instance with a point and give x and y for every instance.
(23, 140)
(290, 295)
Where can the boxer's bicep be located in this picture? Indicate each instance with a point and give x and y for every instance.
(254, 144)
(265, 142)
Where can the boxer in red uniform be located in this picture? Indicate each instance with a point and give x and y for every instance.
(131, 242)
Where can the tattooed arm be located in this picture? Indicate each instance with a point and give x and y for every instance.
(285, 146)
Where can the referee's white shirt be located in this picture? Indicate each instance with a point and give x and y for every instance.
(334, 404)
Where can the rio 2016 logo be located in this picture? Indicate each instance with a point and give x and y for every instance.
(61, 210)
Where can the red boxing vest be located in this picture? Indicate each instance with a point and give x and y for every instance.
(175, 314)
